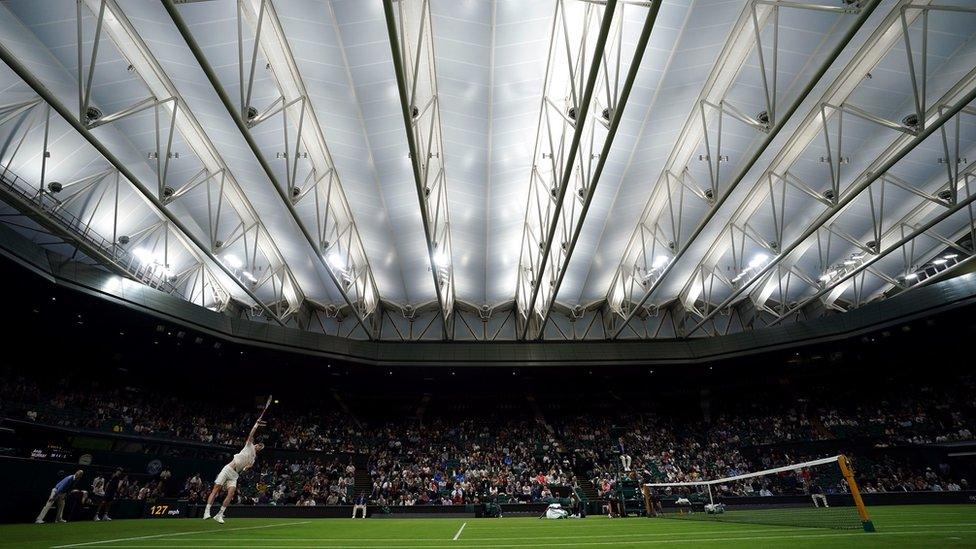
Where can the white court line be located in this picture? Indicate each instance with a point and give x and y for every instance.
(723, 523)
(461, 529)
(136, 538)
(599, 536)
(722, 539)
(548, 537)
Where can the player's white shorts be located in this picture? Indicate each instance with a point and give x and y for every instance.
(227, 477)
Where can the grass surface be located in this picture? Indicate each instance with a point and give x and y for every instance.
(901, 526)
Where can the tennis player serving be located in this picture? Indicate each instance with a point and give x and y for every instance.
(241, 462)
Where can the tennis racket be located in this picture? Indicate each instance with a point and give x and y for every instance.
(266, 406)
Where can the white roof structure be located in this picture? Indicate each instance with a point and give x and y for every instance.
(499, 170)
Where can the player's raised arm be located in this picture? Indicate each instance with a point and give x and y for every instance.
(250, 436)
(260, 421)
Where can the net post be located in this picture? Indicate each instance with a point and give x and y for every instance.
(646, 490)
(862, 511)
(710, 500)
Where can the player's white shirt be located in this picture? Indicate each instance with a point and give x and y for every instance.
(245, 458)
(98, 486)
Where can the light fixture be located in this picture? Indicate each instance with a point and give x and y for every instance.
(143, 255)
(441, 259)
(950, 256)
(940, 261)
(233, 261)
(758, 260)
(911, 276)
(335, 260)
(660, 261)
(849, 262)
(249, 276)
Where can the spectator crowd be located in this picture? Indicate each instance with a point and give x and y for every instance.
(532, 455)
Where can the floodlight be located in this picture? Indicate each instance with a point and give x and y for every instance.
(143, 255)
(758, 260)
(336, 261)
(441, 259)
(233, 261)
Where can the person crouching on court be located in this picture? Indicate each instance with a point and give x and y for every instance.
(227, 478)
(58, 495)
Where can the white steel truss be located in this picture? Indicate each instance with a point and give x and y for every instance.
(781, 268)
(312, 190)
(161, 254)
(238, 247)
(610, 100)
(658, 240)
(412, 44)
(844, 211)
(928, 253)
(584, 95)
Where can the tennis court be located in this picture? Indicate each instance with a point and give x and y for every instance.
(898, 526)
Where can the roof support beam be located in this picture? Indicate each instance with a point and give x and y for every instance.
(166, 100)
(768, 196)
(182, 230)
(557, 154)
(903, 239)
(47, 211)
(852, 193)
(899, 244)
(412, 45)
(563, 255)
(351, 272)
(744, 39)
(944, 195)
(835, 103)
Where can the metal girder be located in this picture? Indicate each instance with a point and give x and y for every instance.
(778, 177)
(896, 237)
(471, 323)
(50, 207)
(875, 173)
(589, 181)
(893, 28)
(336, 244)
(566, 124)
(180, 230)
(657, 245)
(272, 272)
(46, 210)
(412, 45)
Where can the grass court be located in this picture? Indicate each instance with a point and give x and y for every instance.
(898, 526)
